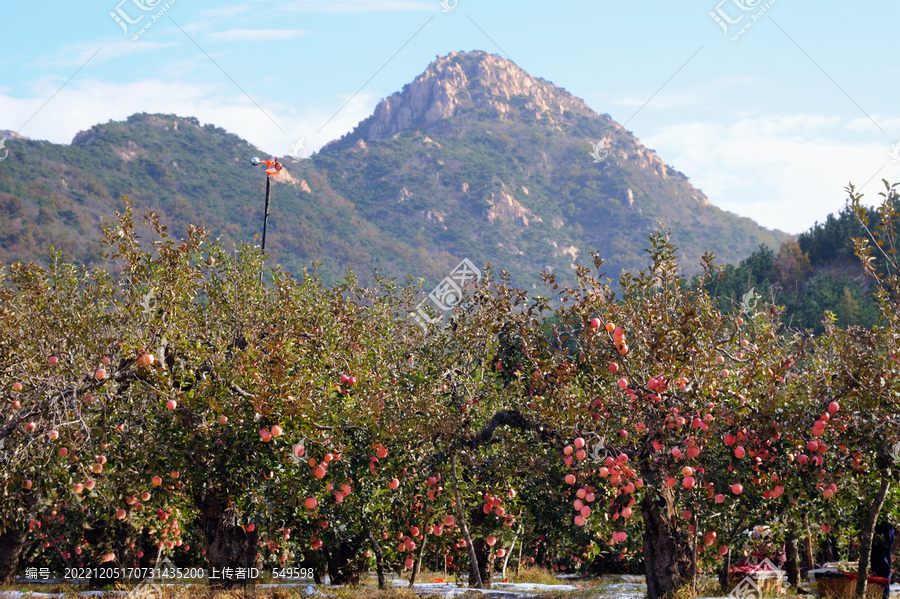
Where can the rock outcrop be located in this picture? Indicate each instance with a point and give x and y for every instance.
(462, 79)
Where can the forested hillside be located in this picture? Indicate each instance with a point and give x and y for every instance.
(817, 272)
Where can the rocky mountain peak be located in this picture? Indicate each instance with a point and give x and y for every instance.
(11, 134)
(462, 80)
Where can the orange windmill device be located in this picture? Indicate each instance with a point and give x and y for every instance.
(273, 168)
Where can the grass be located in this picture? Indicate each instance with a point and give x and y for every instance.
(533, 575)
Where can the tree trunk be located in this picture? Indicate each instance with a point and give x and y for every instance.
(519, 561)
(100, 532)
(415, 568)
(509, 553)
(485, 563)
(667, 549)
(723, 575)
(694, 553)
(11, 544)
(344, 566)
(810, 556)
(793, 559)
(227, 544)
(379, 555)
(865, 543)
(465, 529)
(150, 549)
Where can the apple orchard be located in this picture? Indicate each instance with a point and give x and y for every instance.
(182, 406)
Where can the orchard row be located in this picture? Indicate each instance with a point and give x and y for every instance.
(183, 406)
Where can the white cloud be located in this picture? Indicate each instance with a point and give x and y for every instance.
(865, 125)
(699, 94)
(223, 12)
(785, 172)
(83, 104)
(255, 35)
(352, 6)
(78, 55)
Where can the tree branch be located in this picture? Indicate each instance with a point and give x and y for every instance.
(513, 419)
(47, 403)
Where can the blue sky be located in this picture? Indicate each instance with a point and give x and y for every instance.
(772, 125)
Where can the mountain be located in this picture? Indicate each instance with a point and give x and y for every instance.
(473, 159)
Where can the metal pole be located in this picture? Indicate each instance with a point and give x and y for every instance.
(266, 215)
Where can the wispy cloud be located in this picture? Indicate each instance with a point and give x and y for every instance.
(784, 171)
(690, 96)
(77, 54)
(93, 101)
(353, 6)
(255, 35)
